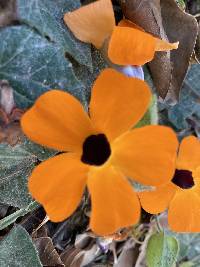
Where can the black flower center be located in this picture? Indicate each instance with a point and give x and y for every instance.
(183, 179)
(96, 150)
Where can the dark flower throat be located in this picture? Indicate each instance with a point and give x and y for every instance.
(96, 150)
(183, 179)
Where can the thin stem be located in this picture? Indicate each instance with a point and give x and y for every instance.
(159, 227)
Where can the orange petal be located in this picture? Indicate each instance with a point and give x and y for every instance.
(118, 102)
(162, 45)
(92, 23)
(114, 203)
(58, 184)
(189, 154)
(132, 46)
(57, 120)
(184, 211)
(158, 200)
(147, 154)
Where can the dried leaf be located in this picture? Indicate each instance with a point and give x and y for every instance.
(166, 20)
(11, 134)
(7, 102)
(197, 47)
(3, 210)
(47, 253)
(128, 255)
(7, 12)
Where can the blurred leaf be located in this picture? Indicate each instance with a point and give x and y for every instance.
(162, 250)
(33, 65)
(187, 264)
(17, 249)
(189, 103)
(189, 244)
(15, 166)
(5, 222)
(47, 17)
(181, 4)
(151, 116)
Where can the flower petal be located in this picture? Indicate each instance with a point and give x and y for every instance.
(161, 45)
(147, 154)
(92, 23)
(58, 184)
(57, 120)
(118, 102)
(184, 211)
(156, 201)
(189, 153)
(114, 203)
(132, 46)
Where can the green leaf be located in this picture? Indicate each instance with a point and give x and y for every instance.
(151, 116)
(47, 17)
(187, 264)
(17, 249)
(16, 165)
(188, 104)
(33, 65)
(8, 220)
(86, 76)
(162, 250)
(181, 4)
(42, 153)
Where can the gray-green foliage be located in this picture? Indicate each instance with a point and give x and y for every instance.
(189, 247)
(10, 219)
(162, 250)
(17, 250)
(34, 65)
(47, 17)
(188, 106)
(16, 165)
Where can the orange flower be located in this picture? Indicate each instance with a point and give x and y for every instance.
(102, 151)
(182, 194)
(128, 45)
